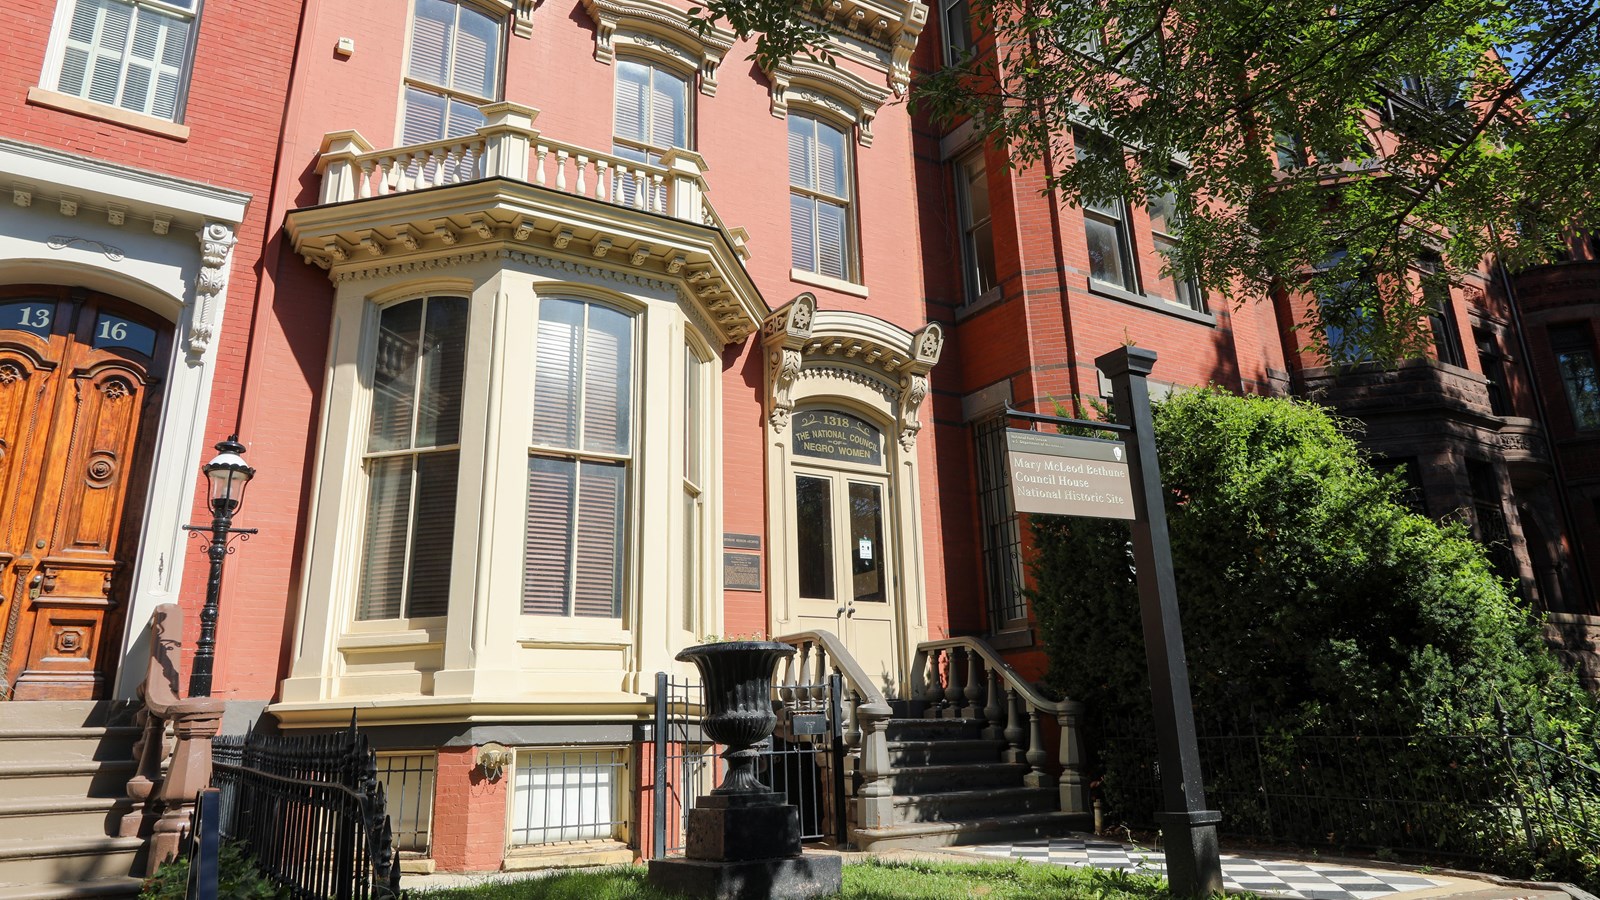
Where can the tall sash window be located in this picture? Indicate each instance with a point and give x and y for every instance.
(578, 461)
(652, 116)
(454, 68)
(819, 197)
(413, 447)
(134, 55)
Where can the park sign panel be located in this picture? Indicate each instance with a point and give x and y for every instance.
(1061, 475)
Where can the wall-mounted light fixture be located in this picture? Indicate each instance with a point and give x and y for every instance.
(493, 758)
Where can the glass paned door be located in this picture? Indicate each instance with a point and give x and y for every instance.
(843, 564)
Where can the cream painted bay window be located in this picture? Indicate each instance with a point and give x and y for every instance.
(578, 462)
(694, 480)
(132, 54)
(819, 197)
(454, 68)
(412, 458)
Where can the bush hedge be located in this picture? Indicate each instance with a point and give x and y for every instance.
(1314, 600)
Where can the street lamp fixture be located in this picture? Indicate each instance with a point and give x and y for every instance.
(227, 475)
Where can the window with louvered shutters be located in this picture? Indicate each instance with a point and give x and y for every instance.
(412, 458)
(652, 117)
(454, 68)
(129, 53)
(819, 197)
(578, 461)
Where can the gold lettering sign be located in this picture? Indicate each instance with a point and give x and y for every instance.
(1060, 475)
(833, 434)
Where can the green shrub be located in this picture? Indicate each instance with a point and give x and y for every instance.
(238, 878)
(1313, 602)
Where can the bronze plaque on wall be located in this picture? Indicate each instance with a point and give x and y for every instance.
(1059, 475)
(837, 435)
(741, 572)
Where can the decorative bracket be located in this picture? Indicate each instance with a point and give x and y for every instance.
(216, 245)
(784, 334)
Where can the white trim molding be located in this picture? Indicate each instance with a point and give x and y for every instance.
(882, 33)
(658, 29)
(835, 92)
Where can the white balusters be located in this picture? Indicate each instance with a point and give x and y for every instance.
(658, 197)
(604, 189)
(580, 186)
(538, 173)
(561, 170)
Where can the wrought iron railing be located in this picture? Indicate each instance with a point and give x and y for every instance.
(1509, 802)
(804, 760)
(310, 811)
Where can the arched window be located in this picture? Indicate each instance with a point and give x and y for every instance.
(412, 457)
(579, 460)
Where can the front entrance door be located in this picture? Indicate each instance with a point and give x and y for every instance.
(78, 405)
(843, 565)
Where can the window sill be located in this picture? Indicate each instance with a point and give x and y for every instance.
(828, 282)
(106, 113)
(984, 301)
(1150, 303)
(382, 640)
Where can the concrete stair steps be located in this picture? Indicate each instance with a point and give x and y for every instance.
(993, 829)
(82, 778)
(945, 752)
(935, 729)
(55, 860)
(54, 713)
(121, 888)
(60, 817)
(62, 743)
(918, 780)
(948, 806)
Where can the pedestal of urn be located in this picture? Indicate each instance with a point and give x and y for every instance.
(743, 839)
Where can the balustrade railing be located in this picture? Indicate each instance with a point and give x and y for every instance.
(508, 146)
(864, 711)
(964, 678)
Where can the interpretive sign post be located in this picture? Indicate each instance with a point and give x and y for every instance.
(1061, 475)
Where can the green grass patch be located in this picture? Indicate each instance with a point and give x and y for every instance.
(868, 880)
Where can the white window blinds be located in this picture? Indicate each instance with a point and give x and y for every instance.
(412, 459)
(454, 68)
(133, 55)
(652, 108)
(819, 199)
(578, 464)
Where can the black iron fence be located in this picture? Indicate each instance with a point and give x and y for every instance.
(805, 759)
(309, 810)
(1509, 801)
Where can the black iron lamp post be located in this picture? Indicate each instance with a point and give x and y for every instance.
(227, 474)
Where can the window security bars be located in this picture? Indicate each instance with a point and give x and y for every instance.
(804, 759)
(1002, 537)
(407, 780)
(310, 811)
(567, 796)
(1481, 799)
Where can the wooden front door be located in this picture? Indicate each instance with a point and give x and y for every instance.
(79, 401)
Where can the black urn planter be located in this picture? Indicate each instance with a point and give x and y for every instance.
(743, 839)
(737, 676)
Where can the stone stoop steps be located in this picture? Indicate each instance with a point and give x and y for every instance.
(64, 771)
(952, 787)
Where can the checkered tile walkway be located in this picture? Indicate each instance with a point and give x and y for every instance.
(1306, 881)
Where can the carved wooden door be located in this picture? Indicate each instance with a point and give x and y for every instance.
(79, 401)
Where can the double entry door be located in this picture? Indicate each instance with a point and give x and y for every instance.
(844, 567)
(78, 401)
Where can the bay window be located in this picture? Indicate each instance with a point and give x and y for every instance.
(412, 457)
(132, 54)
(578, 461)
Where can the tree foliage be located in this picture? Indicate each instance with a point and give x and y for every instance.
(1406, 127)
(1308, 594)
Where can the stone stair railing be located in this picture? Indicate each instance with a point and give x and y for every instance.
(864, 713)
(508, 146)
(964, 678)
(163, 801)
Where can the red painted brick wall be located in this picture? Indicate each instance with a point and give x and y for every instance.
(469, 814)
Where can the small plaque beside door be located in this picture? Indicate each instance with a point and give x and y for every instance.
(741, 572)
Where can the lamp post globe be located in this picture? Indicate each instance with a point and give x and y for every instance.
(227, 475)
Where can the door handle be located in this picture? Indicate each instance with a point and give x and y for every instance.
(35, 586)
(850, 611)
(840, 611)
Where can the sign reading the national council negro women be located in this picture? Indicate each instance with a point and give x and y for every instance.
(832, 434)
(1060, 475)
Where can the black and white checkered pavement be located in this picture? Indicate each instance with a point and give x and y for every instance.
(1306, 881)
